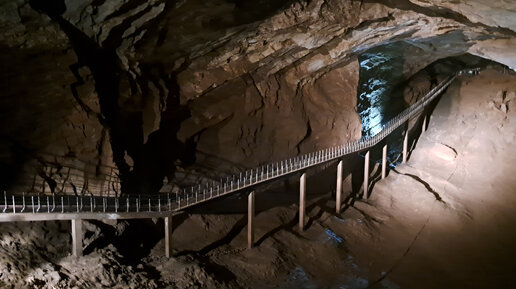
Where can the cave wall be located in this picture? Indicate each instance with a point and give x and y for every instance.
(254, 119)
(310, 39)
(138, 85)
(49, 142)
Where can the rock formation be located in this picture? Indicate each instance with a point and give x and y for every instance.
(129, 90)
(109, 97)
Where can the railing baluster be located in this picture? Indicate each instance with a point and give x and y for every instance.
(5, 202)
(23, 207)
(252, 176)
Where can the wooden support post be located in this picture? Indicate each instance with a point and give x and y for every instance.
(384, 161)
(338, 191)
(168, 236)
(424, 123)
(405, 147)
(77, 237)
(366, 175)
(302, 197)
(250, 217)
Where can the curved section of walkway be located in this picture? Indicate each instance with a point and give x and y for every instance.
(25, 207)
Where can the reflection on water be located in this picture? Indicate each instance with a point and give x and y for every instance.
(371, 91)
(381, 68)
(353, 277)
(299, 280)
(332, 236)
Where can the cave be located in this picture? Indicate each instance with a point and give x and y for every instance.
(257, 144)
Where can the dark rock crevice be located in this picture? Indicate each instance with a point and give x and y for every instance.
(124, 125)
(450, 147)
(424, 183)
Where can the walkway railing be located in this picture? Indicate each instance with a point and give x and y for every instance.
(23, 207)
(199, 194)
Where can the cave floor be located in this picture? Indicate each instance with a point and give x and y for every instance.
(447, 218)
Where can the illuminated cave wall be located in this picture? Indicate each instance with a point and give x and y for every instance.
(97, 91)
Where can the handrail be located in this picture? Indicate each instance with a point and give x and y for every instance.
(16, 204)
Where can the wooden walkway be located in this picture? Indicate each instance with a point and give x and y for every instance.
(18, 207)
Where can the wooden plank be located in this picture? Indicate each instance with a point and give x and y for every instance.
(384, 161)
(366, 175)
(405, 147)
(302, 199)
(250, 219)
(76, 237)
(168, 236)
(338, 191)
(25, 217)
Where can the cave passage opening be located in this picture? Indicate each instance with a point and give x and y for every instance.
(382, 89)
(379, 99)
(381, 69)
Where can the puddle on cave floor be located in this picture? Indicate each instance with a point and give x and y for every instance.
(299, 279)
(381, 70)
(353, 276)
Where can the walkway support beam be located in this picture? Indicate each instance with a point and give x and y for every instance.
(384, 161)
(77, 237)
(366, 175)
(423, 128)
(338, 191)
(250, 219)
(302, 199)
(405, 147)
(168, 236)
